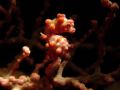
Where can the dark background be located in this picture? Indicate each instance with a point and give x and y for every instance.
(82, 11)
